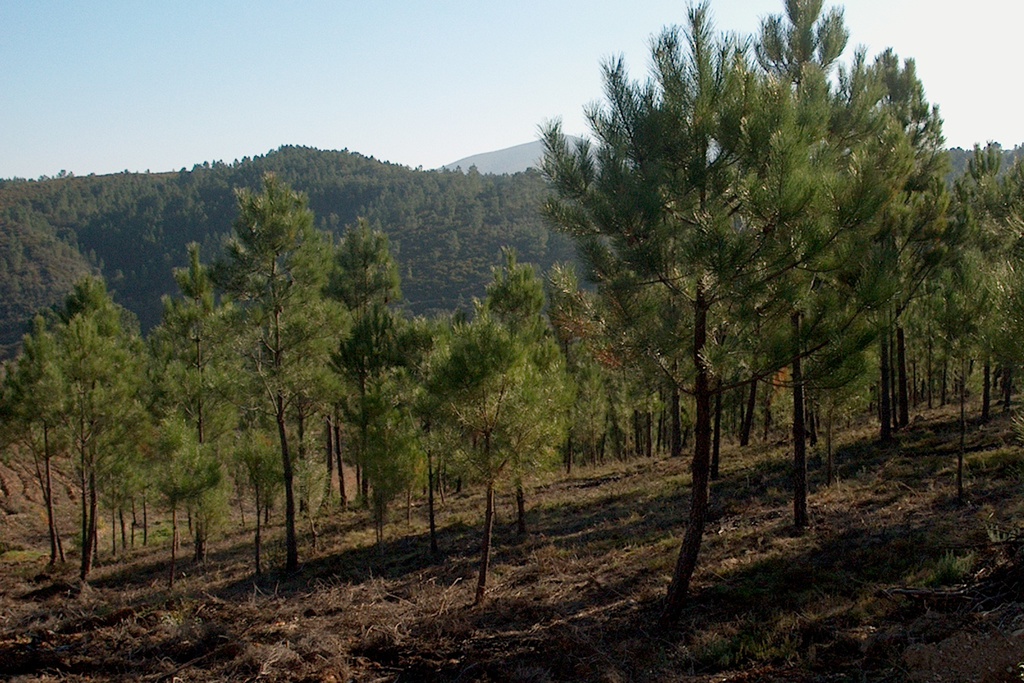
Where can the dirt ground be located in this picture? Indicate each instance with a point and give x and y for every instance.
(894, 581)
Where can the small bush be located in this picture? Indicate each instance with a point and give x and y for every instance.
(951, 569)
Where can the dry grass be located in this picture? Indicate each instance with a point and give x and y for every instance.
(577, 598)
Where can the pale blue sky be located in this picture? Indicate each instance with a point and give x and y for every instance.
(99, 87)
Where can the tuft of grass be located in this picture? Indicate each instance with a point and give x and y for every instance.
(771, 642)
(21, 556)
(950, 569)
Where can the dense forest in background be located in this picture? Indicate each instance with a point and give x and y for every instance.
(446, 228)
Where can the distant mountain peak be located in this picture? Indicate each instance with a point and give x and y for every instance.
(509, 160)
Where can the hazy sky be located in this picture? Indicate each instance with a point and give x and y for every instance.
(100, 87)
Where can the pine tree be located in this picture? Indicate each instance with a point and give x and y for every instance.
(32, 403)
(275, 268)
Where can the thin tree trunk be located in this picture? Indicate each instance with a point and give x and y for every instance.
(945, 381)
(884, 407)
(893, 383)
(124, 531)
(914, 395)
(649, 430)
(716, 441)
(799, 436)
(291, 541)
(257, 542)
(986, 390)
(174, 544)
(341, 470)
(485, 551)
(748, 421)
(963, 433)
(430, 503)
(930, 370)
(676, 436)
(1007, 386)
(901, 366)
(520, 510)
(56, 549)
(86, 560)
(329, 433)
(700, 469)
(145, 522)
(830, 473)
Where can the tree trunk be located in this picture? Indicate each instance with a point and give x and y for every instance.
(748, 420)
(258, 541)
(291, 540)
(700, 471)
(930, 370)
(676, 437)
(963, 433)
(649, 432)
(830, 472)
(124, 531)
(986, 390)
(329, 434)
(901, 366)
(145, 522)
(86, 560)
(716, 442)
(174, 544)
(485, 551)
(56, 549)
(945, 381)
(430, 504)
(799, 436)
(884, 407)
(1007, 386)
(341, 470)
(520, 510)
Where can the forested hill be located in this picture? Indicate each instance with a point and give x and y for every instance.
(446, 228)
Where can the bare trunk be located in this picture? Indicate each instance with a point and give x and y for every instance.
(520, 510)
(676, 437)
(716, 442)
(748, 418)
(124, 530)
(884, 407)
(430, 504)
(1007, 386)
(963, 433)
(901, 367)
(86, 563)
(986, 390)
(341, 470)
(830, 471)
(291, 541)
(700, 470)
(257, 542)
(929, 369)
(56, 549)
(174, 544)
(485, 551)
(799, 437)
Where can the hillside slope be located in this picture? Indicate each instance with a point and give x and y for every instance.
(893, 581)
(446, 228)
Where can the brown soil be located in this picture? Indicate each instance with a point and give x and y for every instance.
(860, 596)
